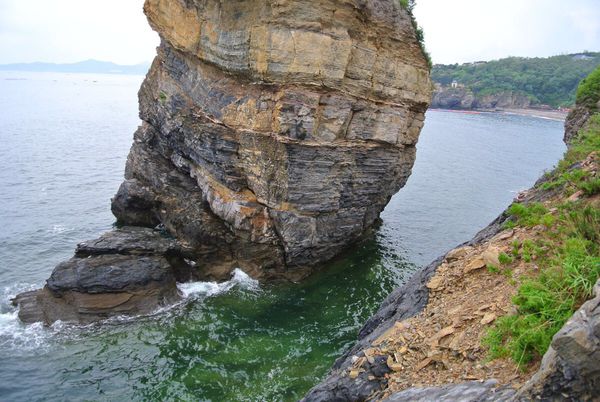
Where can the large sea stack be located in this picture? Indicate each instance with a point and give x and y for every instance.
(273, 134)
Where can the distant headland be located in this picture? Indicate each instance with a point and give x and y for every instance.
(512, 83)
(87, 66)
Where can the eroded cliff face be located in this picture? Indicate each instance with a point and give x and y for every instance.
(292, 123)
(273, 135)
(464, 98)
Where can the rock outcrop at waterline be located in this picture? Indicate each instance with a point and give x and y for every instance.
(464, 98)
(273, 135)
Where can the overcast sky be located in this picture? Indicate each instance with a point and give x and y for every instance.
(455, 31)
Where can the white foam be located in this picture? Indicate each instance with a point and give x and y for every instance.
(238, 279)
(13, 333)
(57, 229)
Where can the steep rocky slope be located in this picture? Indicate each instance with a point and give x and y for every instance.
(273, 135)
(432, 337)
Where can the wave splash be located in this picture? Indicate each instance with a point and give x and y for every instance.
(239, 278)
(14, 335)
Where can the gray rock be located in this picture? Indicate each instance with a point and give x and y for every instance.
(109, 273)
(575, 121)
(129, 240)
(130, 270)
(472, 391)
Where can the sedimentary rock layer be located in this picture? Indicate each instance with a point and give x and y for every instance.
(291, 122)
(273, 134)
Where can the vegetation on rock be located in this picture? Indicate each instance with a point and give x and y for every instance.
(566, 250)
(552, 81)
(409, 6)
(588, 92)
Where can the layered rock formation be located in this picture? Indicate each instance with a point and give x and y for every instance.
(464, 98)
(577, 119)
(274, 133)
(131, 270)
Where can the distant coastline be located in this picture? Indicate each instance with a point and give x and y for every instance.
(87, 66)
(551, 114)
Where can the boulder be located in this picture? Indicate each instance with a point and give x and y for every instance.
(127, 271)
(275, 131)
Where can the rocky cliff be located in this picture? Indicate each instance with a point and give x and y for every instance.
(273, 135)
(464, 98)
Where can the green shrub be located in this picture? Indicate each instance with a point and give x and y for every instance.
(590, 187)
(574, 177)
(493, 269)
(526, 214)
(586, 225)
(516, 246)
(588, 91)
(544, 303)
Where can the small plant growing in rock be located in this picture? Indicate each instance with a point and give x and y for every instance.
(527, 215)
(547, 220)
(504, 258)
(492, 269)
(516, 245)
(591, 187)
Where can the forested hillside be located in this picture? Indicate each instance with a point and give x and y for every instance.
(551, 81)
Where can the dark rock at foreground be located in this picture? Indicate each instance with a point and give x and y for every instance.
(127, 271)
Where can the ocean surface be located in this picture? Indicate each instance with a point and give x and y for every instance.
(64, 140)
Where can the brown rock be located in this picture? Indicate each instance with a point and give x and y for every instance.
(392, 364)
(488, 318)
(458, 253)
(435, 283)
(575, 196)
(490, 256)
(474, 264)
